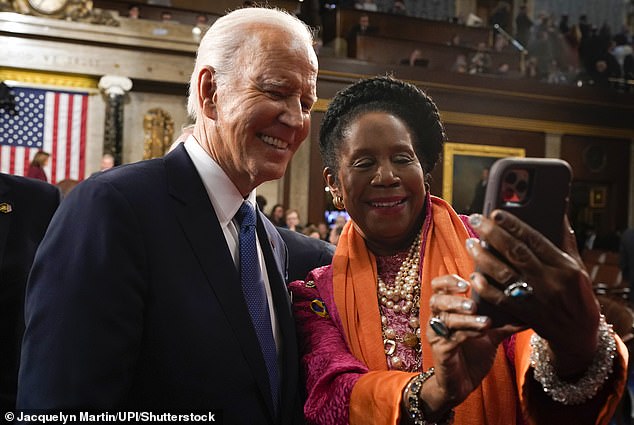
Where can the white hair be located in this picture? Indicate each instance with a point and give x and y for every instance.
(220, 46)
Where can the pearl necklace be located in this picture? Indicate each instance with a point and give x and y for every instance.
(403, 297)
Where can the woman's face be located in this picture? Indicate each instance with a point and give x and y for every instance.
(278, 213)
(381, 181)
(292, 219)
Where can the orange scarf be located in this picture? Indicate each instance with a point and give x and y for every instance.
(376, 396)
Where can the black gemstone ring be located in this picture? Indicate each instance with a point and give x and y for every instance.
(439, 327)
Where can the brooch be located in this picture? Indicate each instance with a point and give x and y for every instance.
(319, 308)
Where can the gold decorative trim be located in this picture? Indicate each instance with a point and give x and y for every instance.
(519, 124)
(539, 126)
(468, 89)
(465, 149)
(321, 105)
(47, 78)
(158, 133)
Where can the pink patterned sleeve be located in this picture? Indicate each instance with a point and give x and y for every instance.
(330, 369)
(470, 230)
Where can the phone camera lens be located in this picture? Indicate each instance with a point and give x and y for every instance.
(508, 195)
(521, 186)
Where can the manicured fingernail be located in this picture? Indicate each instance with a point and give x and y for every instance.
(462, 284)
(481, 319)
(499, 217)
(476, 285)
(475, 220)
(470, 243)
(467, 305)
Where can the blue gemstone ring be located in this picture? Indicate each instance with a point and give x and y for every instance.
(439, 327)
(518, 290)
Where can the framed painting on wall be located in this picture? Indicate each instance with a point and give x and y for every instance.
(598, 197)
(463, 172)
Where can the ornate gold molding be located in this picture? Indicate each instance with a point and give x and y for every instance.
(47, 78)
(519, 124)
(321, 105)
(352, 77)
(539, 126)
(70, 10)
(452, 150)
(158, 133)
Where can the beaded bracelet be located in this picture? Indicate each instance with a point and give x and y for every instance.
(411, 395)
(589, 384)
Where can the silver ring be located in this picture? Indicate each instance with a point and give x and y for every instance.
(439, 327)
(519, 289)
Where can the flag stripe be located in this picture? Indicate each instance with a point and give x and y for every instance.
(47, 144)
(82, 137)
(5, 157)
(28, 156)
(55, 118)
(75, 151)
(69, 135)
(18, 161)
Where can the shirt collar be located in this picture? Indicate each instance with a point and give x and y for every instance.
(223, 194)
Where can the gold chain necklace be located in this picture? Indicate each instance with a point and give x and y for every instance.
(403, 297)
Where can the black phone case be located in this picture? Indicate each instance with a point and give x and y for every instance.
(536, 190)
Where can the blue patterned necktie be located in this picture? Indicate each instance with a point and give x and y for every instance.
(255, 294)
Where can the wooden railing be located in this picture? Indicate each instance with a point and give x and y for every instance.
(411, 28)
(440, 57)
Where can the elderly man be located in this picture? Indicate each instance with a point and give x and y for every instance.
(158, 286)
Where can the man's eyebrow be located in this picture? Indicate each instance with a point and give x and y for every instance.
(277, 82)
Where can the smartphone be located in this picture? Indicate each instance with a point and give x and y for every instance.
(536, 190)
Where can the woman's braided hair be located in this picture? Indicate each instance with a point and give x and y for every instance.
(384, 94)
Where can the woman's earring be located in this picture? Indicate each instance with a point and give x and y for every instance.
(337, 201)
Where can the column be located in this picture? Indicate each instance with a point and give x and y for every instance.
(553, 145)
(115, 88)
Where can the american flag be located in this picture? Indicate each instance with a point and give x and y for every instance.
(48, 120)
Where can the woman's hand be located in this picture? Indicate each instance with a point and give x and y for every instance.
(464, 356)
(557, 302)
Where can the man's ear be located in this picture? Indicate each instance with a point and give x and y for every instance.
(207, 92)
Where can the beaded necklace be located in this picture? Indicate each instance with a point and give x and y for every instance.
(403, 297)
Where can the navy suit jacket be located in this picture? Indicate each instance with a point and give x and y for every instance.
(134, 302)
(304, 253)
(26, 207)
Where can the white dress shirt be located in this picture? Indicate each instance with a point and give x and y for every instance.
(226, 200)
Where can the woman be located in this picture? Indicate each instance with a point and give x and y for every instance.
(291, 219)
(277, 215)
(394, 303)
(36, 167)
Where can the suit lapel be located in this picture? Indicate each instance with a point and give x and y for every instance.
(275, 255)
(201, 227)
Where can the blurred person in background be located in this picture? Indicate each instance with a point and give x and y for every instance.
(36, 167)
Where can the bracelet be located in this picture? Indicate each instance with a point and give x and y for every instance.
(411, 395)
(588, 385)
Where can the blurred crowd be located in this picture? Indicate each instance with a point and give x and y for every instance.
(556, 49)
(289, 218)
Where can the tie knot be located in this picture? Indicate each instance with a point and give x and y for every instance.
(245, 215)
